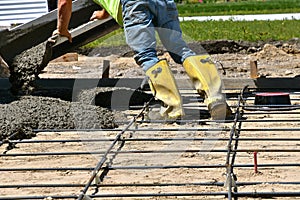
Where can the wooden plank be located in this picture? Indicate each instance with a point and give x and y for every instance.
(68, 57)
(82, 35)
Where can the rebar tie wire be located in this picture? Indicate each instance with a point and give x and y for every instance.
(104, 157)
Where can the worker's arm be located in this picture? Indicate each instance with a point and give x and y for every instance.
(64, 8)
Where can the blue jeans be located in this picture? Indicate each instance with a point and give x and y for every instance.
(142, 19)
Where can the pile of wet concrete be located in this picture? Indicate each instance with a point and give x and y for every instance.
(95, 108)
(21, 117)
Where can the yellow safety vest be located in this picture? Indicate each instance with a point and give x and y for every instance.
(113, 7)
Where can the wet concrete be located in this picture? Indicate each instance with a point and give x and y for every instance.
(61, 109)
(25, 68)
(18, 118)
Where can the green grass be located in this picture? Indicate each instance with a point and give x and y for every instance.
(217, 30)
(234, 8)
(242, 30)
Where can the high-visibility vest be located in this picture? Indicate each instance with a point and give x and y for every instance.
(113, 7)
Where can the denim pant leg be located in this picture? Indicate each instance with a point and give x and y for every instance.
(140, 32)
(170, 32)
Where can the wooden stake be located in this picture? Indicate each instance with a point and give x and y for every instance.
(105, 71)
(253, 69)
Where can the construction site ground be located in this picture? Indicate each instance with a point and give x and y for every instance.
(274, 60)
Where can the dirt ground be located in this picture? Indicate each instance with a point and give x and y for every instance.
(275, 59)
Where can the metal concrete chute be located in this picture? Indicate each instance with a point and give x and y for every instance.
(88, 32)
(18, 39)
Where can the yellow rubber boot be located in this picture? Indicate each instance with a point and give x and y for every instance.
(207, 81)
(164, 88)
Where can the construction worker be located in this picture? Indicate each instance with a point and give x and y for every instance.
(141, 19)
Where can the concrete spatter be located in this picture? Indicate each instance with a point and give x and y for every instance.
(19, 118)
(26, 67)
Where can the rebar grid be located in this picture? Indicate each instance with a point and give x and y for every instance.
(216, 158)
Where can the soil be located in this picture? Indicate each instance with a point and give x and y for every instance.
(233, 55)
(274, 59)
(20, 115)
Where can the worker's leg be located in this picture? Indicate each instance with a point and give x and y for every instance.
(163, 86)
(139, 29)
(200, 69)
(170, 32)
(206, 80)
